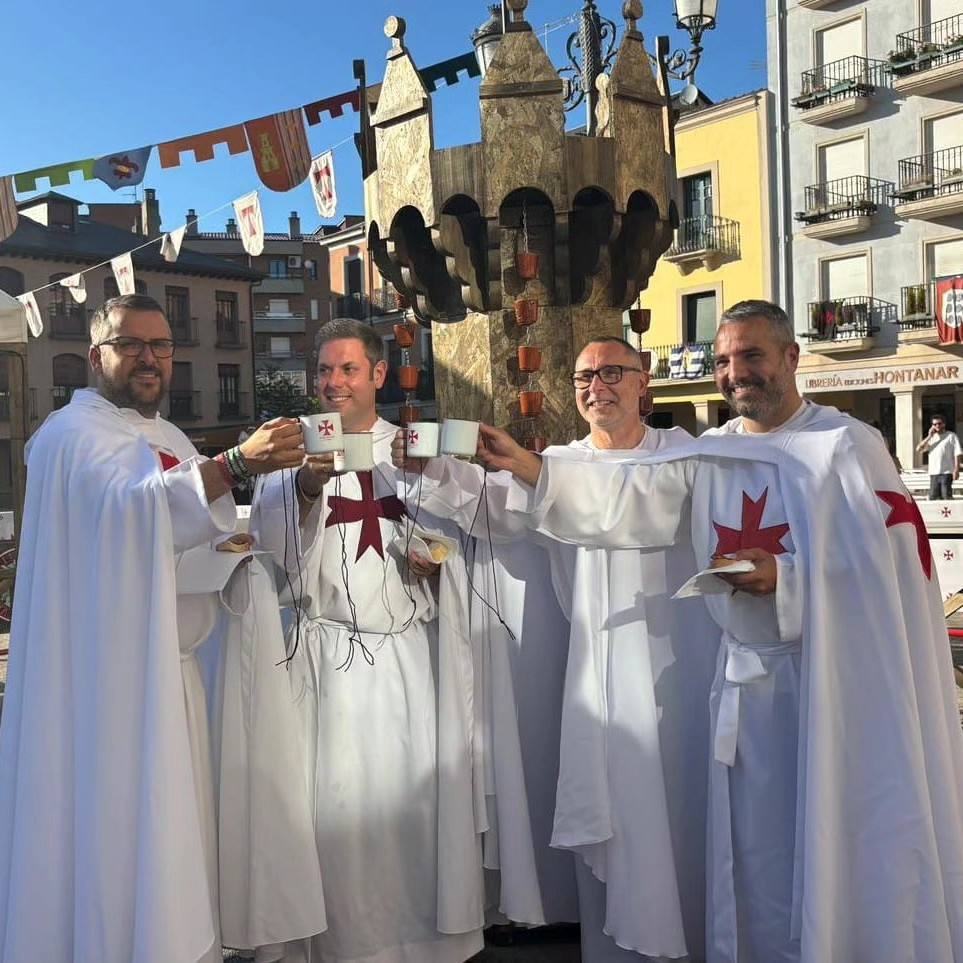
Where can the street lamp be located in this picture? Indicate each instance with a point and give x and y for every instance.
(488, 36)
(695, 17)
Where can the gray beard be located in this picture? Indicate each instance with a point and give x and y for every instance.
(123, 396)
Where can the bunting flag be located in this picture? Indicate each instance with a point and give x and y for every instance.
(171, 244)
(77, 287)
(282, 155)
(333, 106)
(448, 71)
(251, 222)
(949, 309)
(123, 268)
(126, 168)
(322, 184)
(203, 145)
(8, 208)
(58, 175)
(34, 321)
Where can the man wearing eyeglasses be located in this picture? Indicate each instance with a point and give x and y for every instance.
(106, 788)
(633, 759)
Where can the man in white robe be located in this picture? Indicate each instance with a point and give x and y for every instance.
(386, 675)
(106, 799)
(836, 789)
(631, 793)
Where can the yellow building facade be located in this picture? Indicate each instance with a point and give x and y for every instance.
(722, 253)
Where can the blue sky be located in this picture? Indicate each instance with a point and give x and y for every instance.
(85, 79)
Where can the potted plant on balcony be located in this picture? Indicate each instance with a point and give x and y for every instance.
(902, 62)
(953, 44)
(953, 176)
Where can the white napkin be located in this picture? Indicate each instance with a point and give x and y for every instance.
(707, 582)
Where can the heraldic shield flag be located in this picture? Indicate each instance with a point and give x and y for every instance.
(280, 147)
(949, 309)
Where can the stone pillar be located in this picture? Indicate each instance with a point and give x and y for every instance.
(909, 421)
(706, 415)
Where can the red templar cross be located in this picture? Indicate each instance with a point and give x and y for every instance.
(904, 510)
(751, 535)
(412, 437)
(369, 511)
(167, 460)
(326, 428)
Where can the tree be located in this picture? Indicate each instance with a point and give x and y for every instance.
(277, 395)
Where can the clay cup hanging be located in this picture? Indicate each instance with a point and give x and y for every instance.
(404, 336)
(408, 377)
(526, 265)
(530, 403)
(526, 311)
(529, 358)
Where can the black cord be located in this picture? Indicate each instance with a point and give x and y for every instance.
(296, 601)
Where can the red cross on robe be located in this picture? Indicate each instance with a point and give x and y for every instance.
(751, 535)
(903, 509)
(167, 460)
(369, 511)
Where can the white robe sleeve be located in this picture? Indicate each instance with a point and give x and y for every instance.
(461, 491)
(195, 520)
(603, 505)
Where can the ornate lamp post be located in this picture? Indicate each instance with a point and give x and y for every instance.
(695, 17)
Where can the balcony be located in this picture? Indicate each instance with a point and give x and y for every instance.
(61, 395)
(280, 355)
(268, 322)
(289, 282)
(229, 334)
(843, 206)
(184, 332)
(917, 319)
(929, 59)
(840, 89)
(362, 307)
(704, 242)
(681, 362)
(234, 406)
(843, 325)
(931, 185)
(184, 405)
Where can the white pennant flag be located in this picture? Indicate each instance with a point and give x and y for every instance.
(123, 268)
(34, 321)
(171, 245)
(248, 211)
(322, 184)
(76, 285)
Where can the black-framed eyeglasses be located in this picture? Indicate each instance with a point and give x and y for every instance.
(133, 347)
(609, 374)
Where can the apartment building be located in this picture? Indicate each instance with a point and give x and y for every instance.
(207, 301)
(722, 253)
(869, 150)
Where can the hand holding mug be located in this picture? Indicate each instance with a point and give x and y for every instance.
(498, 451)
(315, 473)
(273, 446)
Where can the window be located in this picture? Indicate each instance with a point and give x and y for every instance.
(844, 159)
(278, 306)
(701, 317)
(839, 42)
(61, 214)
(66, 316)
(697, 195)
(178, 304)
(229, 390)
(11, 282)
(944, 259)
(353, 276)
(943, 133)
(314, 309)
(225, 309)
(182, 391)
(934, 10)
(845, 277)
(311, 270)
(69, 374)
(281, 347)
(278, 267)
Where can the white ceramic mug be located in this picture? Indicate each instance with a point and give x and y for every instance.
(459, 437)
(421, 439)
(357, 452)
(322, 432)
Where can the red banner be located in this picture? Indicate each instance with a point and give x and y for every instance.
(279, 144)
(949, 309)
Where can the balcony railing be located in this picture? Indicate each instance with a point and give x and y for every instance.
(928, 46)
(847, 319)
(931, 175)
(280, 355)
(706, 233)
(31, 402)
(839, 80)
(279, 316)
(916, 306)
(844, 197)
(363, 307)
(234, 406)
(183, 331)
(61, 394)
(681, 362)
(185, 405)
(288, 274)
(229, 335)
